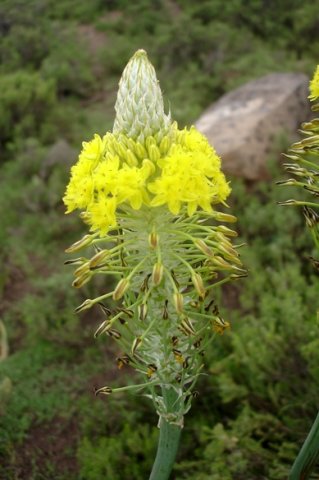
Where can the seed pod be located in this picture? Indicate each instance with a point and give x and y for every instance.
(157, 273)
(120, 289)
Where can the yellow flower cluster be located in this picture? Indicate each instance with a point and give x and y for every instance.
(116, 170)
(314, 85)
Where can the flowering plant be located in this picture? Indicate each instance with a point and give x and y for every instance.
(304, 165)
(147, 192)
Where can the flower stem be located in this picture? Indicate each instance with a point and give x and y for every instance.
(168, 442)
(308, 456)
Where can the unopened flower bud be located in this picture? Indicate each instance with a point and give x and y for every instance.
(81, 280)
(98, 259)
(153, 240)
(203, 247)
(157, 273)
(225, 217)
(120, 288)
(139, 105)
(178, 302)
(198, 284)
(84, 242)
(142, 311)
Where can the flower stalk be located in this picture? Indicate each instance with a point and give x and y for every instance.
(148, 193)
(304, 164)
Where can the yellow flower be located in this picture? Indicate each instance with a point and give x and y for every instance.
(190, 175)
(314, 85)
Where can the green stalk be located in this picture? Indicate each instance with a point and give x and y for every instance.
(168, 441)
(308, 455)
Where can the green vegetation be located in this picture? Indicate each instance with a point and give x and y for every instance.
(58, 79)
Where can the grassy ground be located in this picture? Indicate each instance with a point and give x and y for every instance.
(260, 396)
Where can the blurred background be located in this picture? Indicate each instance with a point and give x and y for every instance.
(60, 65)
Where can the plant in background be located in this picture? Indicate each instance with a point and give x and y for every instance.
(304, 165)
(147, 192)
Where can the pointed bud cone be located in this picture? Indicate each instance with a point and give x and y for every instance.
(157, 273)
(178, 302)
(139, 105)
(84, 242)
(98, 259)
(120, 288)
(153, 240)
(198, 284)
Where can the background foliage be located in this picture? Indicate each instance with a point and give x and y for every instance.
(60, 64)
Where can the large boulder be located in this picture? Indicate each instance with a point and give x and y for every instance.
(243, 124)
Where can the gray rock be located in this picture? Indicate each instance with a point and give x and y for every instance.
(243, 124)
(60, 153)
